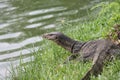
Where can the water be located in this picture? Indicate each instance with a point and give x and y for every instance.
(22, 22)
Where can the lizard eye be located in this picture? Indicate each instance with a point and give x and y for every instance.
(56, 37)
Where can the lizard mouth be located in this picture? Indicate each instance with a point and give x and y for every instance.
(49, 36)
(45, 36)
(52, 35)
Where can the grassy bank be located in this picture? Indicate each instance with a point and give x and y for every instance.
(48, 63)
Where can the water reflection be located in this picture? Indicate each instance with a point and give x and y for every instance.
(4, 25)
(15, 54)
(49, 10)
(10, 35)
(7, 66)
(22, 22)
(40, 18)
(34, 25)
(11, 46)
(49, 26)
(2, 5)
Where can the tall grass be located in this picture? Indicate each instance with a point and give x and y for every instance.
(48, 63)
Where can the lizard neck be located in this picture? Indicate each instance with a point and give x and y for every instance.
(77, 46)
(69, 44)
(65, 42)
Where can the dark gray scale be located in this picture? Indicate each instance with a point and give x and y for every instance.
(96, 50)
(115, 51)
(87, 51)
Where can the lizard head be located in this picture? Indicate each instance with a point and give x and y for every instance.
(52, 36)
(61, 39)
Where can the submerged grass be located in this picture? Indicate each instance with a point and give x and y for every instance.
(48, 63)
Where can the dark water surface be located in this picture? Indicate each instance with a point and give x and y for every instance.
(22, 22)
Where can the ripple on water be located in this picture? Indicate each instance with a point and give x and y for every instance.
(3, 25)
(40, 18)
(3, 5)
(10, 35)
(69, 12)
(49, 26)
(5, 67)
(43, 11)
(18, 53)
(35, 25)
(12, 46)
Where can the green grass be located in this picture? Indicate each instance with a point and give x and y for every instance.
(48, 63)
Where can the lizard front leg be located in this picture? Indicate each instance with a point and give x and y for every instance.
(97, 67)
(71, 57)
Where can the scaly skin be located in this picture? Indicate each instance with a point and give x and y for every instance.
(96, 50)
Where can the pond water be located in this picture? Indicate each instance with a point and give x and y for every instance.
(22, 22)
